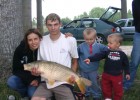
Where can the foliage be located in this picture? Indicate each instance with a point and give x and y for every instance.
(82, 15)
(116, 17)
(34, 22)
(129, 14)
(96, 12)
(65, 20)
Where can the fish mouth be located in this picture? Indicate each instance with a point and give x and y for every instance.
(25, 67)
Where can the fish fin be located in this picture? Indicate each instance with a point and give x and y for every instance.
(86, 81)
(51, 81)
(81, 85)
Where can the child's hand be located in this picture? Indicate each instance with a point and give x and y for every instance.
(127, 77)
(87, 61)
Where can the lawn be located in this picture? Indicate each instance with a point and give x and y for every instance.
(5, 92)
(132, 94)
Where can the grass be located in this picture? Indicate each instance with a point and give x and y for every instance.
(132, 94)
(127, 43)
(5, 92)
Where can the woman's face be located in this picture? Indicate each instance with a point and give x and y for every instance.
(33, 41)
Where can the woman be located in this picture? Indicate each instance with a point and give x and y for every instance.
(23, 81)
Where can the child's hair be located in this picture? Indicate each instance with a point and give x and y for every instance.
(52, 17)
(116, 37)
(89, 31)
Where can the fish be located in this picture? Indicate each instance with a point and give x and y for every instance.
(52, 71)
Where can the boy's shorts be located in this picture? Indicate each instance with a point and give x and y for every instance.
(61, 92)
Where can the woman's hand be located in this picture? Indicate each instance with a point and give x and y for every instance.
(35, 72)
(34, 83)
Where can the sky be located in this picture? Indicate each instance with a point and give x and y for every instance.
(71, 8)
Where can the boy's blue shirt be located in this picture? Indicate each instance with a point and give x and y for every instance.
(83, 52)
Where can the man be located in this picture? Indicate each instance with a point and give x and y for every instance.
(55, 47)
(135, 55)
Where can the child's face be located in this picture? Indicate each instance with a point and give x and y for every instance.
(89, 39)
(113, 45)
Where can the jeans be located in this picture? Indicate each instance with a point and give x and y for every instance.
(135, 61)
(94, 89)
(15, 83)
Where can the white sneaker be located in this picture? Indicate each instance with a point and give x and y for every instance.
(11, 97)
(108, 99)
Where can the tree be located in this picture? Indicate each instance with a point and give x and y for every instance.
(11, 32)
(39, 16)
(96, 12)
(124, 9)
(82, 15)
(65, 20)
(27, 17)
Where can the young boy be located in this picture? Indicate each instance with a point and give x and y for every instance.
(115, 62)
(87, 48)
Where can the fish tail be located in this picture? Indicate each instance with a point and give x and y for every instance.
(86, 81)
(81, 85)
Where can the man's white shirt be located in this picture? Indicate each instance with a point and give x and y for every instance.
(61, 51)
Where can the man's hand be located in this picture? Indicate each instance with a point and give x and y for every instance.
(35, 72)
(127, 77)
(34, 83)
(72, 79)
(87, 61)
(68, 35)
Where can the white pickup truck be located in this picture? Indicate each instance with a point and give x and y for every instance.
(128, 28)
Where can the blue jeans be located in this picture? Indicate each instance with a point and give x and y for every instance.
(135, 61)
(94, 89)
(15, 83)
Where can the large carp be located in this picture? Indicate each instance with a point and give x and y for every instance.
(53, 71)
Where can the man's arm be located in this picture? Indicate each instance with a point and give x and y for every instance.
(74, 67)
(73, 52)
(74, 64)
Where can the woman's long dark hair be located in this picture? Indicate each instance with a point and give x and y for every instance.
(30, 31)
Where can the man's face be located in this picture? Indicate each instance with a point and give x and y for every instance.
(53, 26)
